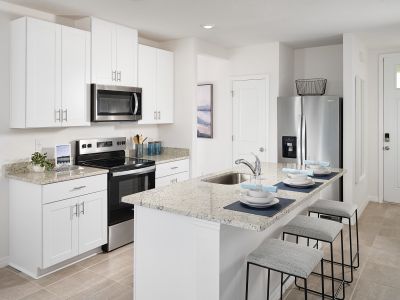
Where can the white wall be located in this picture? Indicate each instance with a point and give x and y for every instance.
(261, 59)
(286, 71)
(17, 144)
(321, 62)
(216, 153)
(354, 64)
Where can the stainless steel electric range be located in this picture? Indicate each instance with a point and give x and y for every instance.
(126, 176)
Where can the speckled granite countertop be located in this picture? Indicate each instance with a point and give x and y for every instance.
(168, 155)
(204, 200)
(21, 171)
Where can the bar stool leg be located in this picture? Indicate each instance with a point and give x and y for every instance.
(269, 273)
(322, 279)
(247, 281)
(358, 243)
(343, 282)
(305, 289)
(351, 252)
(332, 272)
(281, 286)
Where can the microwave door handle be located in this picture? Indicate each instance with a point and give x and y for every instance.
(136, 103)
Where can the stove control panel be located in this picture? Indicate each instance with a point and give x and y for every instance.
(100, 145)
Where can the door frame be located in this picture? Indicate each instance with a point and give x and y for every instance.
(381, 126)
(265, 77)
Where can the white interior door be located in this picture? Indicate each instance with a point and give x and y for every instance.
(250, 118)
(391, 120)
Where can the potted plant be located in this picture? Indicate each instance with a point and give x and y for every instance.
(40, 162)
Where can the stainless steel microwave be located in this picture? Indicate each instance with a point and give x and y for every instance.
(115, 103)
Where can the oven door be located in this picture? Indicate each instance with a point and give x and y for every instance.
(126, 183)
(116, 103)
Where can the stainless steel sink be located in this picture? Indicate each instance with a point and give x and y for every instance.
(228, 179)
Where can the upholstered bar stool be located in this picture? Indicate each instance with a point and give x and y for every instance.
(286, 258)
(343, 211)
(319, 230)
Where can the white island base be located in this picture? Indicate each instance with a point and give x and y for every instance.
(178, 257)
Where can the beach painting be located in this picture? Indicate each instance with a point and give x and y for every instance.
(205, 111)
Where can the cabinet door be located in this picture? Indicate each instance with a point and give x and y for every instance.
(127, 51)
(103, 51)
(75, 82)
(92, 221)
(60, 231)
(43, 77)
(165, 86)
(147, 81)
(171, 179)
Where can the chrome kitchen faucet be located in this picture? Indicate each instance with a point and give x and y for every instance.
(257, 165)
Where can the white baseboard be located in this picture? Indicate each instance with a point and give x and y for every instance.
(373, 198)
(3, 262)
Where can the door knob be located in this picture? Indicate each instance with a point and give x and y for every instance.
(386, 148)
(261, 149)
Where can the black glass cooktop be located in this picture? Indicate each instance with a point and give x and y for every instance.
(119, 163)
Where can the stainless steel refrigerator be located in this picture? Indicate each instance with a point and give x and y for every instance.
(310, 127)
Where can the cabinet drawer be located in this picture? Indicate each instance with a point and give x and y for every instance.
(167, 180)
(171, 168)
(74, 188)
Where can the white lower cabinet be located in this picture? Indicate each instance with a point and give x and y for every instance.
(48, 228)
(172, 172)
(73, 226)
(171, 179)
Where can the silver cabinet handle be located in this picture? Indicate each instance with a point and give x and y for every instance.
(175, 180)
(173, 168)
(77, 188)
(57, 115)
(65, 111)
(261, 149)
(83, 208)
(113, 75)
(159, 115)
(74, 211)
(386, 148)
(119, 76)
(155, 115)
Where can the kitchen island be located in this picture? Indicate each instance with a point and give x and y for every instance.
(188, 246)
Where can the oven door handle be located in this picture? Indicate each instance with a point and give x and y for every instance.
(136, 103)
(135, 172)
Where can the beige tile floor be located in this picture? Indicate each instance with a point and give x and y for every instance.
(110, 276)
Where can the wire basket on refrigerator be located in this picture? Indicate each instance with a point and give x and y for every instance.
(309, 87)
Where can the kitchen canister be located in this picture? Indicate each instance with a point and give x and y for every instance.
(139, 150)
(157, 146)
(151, 148)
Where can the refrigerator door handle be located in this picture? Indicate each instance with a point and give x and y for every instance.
(303, 140)
(299, 139)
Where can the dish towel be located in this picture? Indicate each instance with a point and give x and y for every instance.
(316, 162)
(297, 171)
(264, 188)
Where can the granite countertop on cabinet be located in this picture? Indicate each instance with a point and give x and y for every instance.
(204, 200)
(168, 155)
(21, 171)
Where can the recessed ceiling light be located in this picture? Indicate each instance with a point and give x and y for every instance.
(208, 26)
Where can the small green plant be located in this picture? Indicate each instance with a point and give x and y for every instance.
(40, 159)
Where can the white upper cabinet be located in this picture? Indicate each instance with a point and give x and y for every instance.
(75, 83)
(156, 78)
(48, 75)
(103, 47)
(114, 53)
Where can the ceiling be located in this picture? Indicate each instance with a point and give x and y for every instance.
(298, 23)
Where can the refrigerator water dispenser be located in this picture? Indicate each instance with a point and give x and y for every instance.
(289, 146)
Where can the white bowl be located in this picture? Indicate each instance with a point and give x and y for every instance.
(314, 166)
(258, 200)
(298, 177)
(258, 194)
